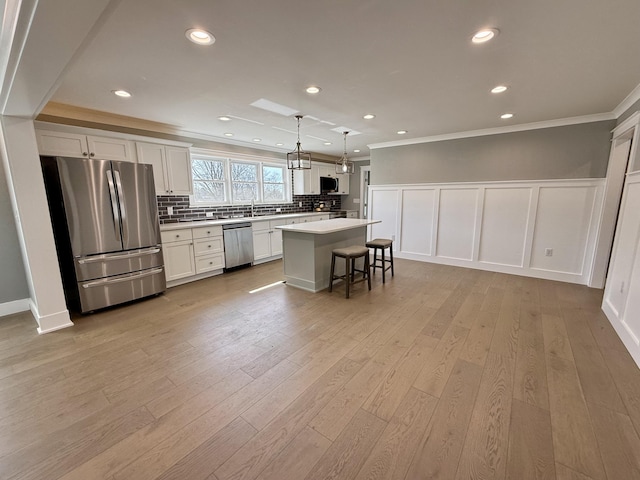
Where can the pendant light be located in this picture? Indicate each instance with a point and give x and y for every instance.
(343, 165)
(298, 159)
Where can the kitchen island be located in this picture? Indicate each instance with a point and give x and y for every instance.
(307, 249)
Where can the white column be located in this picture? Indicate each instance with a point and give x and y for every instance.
(28, 198)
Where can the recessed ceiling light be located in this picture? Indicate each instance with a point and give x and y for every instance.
(357, 150)
(228, 134)
(313, 89)
(327, 143)
(279, 144)
(499, 89)
(369, 116)
(506, 116)
(224, 118)
(484, 35)
(200, 37)
(402, 132)
(257, 139)
(121, 93)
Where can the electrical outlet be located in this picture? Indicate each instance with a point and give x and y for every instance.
(299, 204)
(278, 210)
(356, 201)
(548, 252)
(333, 203)
(169, 210)
(208, 214)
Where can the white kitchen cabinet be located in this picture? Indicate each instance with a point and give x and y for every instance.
(177, 249)
(171, 167)
(306, 182)
(343, 184)
(84, 146)
(267, 240)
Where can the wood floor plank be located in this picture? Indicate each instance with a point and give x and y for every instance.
(574, 441)
(505, 334)
(484, 454)
(556, 338)
(298, 458)
(172, 449)
(439, 451)
(347, 454)
(618, 441)
(565, 473)
(391, 457)
(385, 399)
(206, 458)
(530, 381)
(530, 443)
(248, 462)
(438, 366)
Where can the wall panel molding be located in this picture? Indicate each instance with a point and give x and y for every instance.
(505, 226)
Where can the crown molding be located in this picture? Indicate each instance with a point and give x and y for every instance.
(628, 101)
(562, 122)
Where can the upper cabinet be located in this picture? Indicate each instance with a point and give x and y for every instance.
(307, 182)
(64, 144)
(171, 167)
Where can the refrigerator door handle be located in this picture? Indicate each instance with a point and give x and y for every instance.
(125, 278)
(114, 204)
(108, 256)
(123, 210)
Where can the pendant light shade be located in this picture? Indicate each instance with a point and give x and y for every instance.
(298, 159)
(343, 165)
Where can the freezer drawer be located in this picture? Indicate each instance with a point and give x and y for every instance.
(105, 292)
(109, 264)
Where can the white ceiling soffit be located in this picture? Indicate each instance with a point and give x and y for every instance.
(410, 63)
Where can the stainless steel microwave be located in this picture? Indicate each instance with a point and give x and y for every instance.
(328, 185)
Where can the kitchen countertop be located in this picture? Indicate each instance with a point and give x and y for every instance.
(226, 221)
(328, 226)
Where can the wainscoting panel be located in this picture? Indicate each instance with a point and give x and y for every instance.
(562, 225)
(498, 226)
(621, 302)
(456, 223)
(418, 204)
(505, 218)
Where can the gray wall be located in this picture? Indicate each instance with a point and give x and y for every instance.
(575, 151)
(13, 280)
(354, 188)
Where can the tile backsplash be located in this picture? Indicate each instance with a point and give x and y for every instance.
(182, 210)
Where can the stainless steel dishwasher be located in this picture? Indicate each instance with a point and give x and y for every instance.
(238, 244)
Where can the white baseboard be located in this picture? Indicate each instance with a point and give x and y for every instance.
(16, 306)
(52, 322)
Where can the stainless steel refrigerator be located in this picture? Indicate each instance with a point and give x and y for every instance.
(105, 223)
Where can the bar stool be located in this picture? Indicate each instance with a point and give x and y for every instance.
(381, 244)
(350, 254)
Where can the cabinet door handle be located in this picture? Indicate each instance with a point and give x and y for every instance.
(92, 154)
(84, 154)
(177, 236)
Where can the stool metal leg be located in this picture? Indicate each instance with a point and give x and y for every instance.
(391, 258)
(375, 259)
(384, 269)
(348, 274)
(367, 268)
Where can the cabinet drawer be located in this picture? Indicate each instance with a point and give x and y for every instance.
(209, 245)
(257, 226)
(207, 232)
(176, 235)
(209, 263)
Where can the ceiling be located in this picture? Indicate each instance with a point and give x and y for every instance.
(411, 63)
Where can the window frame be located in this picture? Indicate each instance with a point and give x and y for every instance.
(228, 160)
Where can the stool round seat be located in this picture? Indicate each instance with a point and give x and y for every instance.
(381, 244)
(352, 251)
(350, 254)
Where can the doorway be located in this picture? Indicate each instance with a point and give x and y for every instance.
(365, 173)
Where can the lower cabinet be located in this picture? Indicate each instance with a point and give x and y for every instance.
(192, 254)
(177, 249)
(267, 240)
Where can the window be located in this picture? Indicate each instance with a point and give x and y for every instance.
(244, 182)
(208, 180)
(273, 184)
(228, 181)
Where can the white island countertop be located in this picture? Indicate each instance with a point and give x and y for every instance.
(328, 226)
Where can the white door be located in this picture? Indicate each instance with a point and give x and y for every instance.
(106, 148)
(179, 170)
(153, 154)
(178, 260)
(261, 244)
(62, 144)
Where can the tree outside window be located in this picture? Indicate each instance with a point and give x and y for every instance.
(208, 180)
(244, 182)
(273, 184)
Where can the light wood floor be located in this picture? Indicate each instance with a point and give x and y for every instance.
(441, 373)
